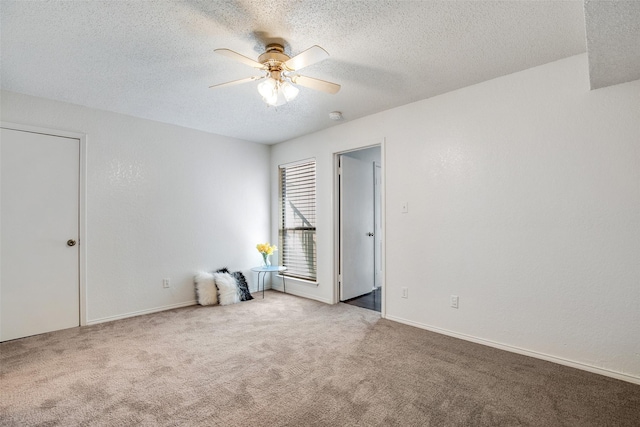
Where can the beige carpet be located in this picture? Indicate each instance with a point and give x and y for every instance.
(288, 361)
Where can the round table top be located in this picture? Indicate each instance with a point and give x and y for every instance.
(271, 268)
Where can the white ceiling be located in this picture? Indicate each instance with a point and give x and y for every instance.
(613, 41)
(155, 59)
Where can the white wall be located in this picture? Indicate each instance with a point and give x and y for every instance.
(162, 201)
(524, 200)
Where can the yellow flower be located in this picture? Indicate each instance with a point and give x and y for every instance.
(266, 248)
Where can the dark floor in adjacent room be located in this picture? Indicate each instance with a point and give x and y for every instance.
(370, 301)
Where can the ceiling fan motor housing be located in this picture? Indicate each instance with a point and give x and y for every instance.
(274, 57)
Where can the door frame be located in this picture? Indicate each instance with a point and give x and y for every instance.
(336, 219)
(82, 200)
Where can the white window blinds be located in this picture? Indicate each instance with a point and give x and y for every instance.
(298, 219)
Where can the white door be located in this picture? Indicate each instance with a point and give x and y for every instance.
(356, 227)
(39, 275)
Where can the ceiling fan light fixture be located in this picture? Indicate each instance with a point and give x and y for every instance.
(275, 92)
(267, 88)
(289, 90)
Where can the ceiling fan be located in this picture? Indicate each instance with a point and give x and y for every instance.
(280, 73)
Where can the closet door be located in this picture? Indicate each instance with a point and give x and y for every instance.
(39, 275)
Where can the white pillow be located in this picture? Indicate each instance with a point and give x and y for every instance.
(227, 288)
(206, 290)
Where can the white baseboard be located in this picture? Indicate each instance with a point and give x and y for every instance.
(141, 312)
(518, 350)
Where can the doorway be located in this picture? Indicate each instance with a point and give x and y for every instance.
(41, 221)
(360, 227)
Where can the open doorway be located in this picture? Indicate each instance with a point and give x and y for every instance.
(360, 228)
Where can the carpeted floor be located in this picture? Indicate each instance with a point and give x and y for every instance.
(288, 361)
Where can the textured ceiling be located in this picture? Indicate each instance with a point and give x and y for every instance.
(155, 59)
(613, 41)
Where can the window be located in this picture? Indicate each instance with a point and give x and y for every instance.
(298, 219)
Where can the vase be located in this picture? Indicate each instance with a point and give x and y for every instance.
(266, 262)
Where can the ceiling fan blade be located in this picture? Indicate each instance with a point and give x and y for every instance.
(316, 84)
(235, 55)
(236, 82)
(310, 56)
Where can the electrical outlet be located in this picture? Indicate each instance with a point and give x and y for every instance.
(405, 292)
(166, 283)
(454, 301)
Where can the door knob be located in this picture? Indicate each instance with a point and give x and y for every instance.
(71, 242)
(370, 234)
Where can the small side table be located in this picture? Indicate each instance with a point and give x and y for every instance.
(271, 269)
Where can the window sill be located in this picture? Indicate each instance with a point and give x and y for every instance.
(298, 280)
